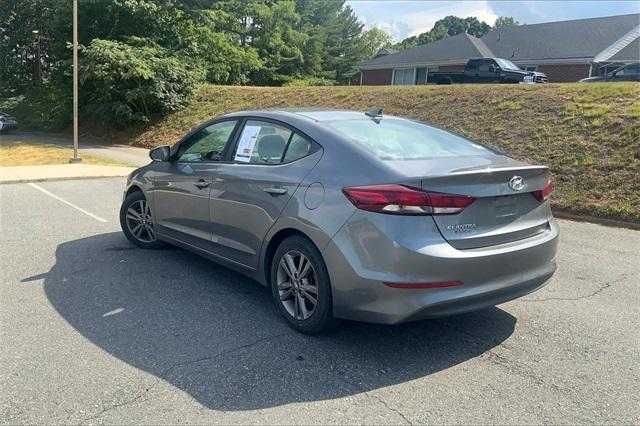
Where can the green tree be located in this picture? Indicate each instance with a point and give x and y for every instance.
(141, 57)
(126, 82)
(277, 40)
(454, 25)
(447, 27)
(19, 44)
(372, 40)
(505, 21)
(334, 31)
(342, 46)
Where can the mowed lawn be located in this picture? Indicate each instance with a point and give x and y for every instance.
(25, 152)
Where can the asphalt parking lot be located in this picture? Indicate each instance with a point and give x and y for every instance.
(97, 331)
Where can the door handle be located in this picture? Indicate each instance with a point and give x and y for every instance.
(201, 183)
(275, 191)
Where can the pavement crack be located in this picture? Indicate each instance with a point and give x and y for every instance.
(227, 352)
(168, 370)
(121, 404)
(599, 290)
(388, 407)
(513, 366)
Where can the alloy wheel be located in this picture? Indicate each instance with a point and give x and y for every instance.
(140, 221)
(297, 285)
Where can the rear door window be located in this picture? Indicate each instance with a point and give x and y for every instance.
(264, 142)
(299, 147)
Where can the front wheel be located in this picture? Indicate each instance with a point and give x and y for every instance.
(300, 286)
(137, 223)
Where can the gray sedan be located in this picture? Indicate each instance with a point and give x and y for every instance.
(349, 215)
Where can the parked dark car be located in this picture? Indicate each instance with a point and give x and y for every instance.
(629, 72)
(350, 215)
(488, 70)
(7, 123)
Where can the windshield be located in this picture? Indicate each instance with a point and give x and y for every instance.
(507, 65)
(398, 139)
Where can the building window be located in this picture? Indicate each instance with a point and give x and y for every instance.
(422, 74)
(530, 67)
(403, 77)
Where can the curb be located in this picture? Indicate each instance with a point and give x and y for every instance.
(9, 182)
(613, 223)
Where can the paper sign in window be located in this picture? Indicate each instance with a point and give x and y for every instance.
(246, 143)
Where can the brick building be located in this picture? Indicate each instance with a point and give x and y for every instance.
(566, 51)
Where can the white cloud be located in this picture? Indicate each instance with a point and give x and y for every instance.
(398, 30)
(403, 19)
(423, 21)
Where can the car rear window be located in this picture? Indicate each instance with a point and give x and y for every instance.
(398, 139)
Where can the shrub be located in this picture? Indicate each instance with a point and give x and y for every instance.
(46, 108)
(123, 83)
(310, 81)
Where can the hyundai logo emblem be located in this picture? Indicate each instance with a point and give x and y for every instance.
(517, 183)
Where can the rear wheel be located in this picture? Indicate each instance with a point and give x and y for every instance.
(300, 286)
(136, 221)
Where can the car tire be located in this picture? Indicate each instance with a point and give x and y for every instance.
(137, 223)
(295, 301)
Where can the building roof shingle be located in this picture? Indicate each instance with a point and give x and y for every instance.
(629, 53)
(582, 38)
(566, 40)
(456, 48)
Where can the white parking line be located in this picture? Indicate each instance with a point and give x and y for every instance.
(41, 189)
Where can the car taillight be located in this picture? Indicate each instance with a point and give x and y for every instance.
(545, 192)
(399, 199)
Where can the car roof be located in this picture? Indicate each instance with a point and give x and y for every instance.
(313, 114)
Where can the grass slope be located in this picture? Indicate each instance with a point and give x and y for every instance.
(24, 152)
(588, 134)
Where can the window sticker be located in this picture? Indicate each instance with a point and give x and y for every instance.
(246, 143)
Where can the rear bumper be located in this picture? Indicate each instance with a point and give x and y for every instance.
(370, 250)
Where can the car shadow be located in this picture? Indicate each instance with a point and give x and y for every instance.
(217, 335)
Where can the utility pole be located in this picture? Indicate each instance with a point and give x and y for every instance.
(75, 158)
(38, 71)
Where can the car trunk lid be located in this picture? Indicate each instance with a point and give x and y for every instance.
(501, 213)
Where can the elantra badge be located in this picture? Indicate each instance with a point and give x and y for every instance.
(462, 228)
(517, 183)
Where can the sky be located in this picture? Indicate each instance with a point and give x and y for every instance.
(403, 18)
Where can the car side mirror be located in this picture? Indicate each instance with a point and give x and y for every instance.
(161, 153)
(492, 68)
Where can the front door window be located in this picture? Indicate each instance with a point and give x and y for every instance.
(207, 144)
